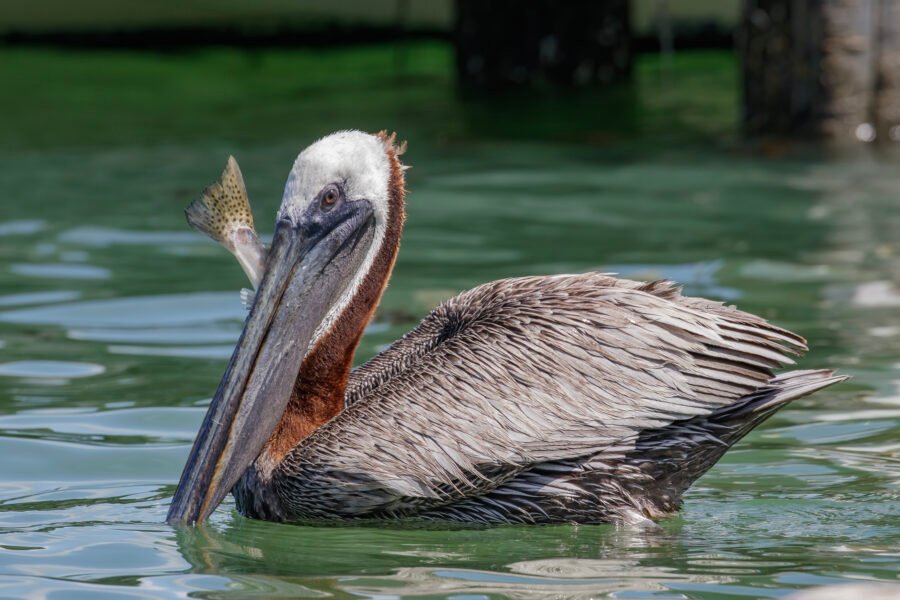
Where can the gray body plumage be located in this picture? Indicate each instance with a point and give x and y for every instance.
(573, 398)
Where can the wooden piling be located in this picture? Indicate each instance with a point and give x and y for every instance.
(887, 85)
(529, 43)
(821, 68)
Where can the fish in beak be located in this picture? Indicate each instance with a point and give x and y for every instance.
(222, 212)
(313, 259)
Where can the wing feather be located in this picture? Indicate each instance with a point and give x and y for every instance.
(524, 372)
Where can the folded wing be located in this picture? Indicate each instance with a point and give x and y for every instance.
(522, 372)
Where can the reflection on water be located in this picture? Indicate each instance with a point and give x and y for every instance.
(104, 237)
(22, 227)
(38, 297)
(51, 369)
(115, 324)
(135, 312)
(60, 271)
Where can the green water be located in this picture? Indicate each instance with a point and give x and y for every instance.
(116, 321)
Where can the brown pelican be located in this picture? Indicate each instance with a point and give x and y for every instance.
(570, 398)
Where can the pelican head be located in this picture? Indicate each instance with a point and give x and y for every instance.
(331, 224)
(353, 167)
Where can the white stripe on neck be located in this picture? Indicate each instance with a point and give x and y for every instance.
(352, 288)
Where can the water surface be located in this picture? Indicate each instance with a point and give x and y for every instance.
(116, 323)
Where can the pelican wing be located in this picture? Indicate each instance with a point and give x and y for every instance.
(528, 371)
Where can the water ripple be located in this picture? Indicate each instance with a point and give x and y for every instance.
(22, 227)
(39, 297)
(52, 369)
(60, 271)
(220, 351)
(102, 237)
(168, 310)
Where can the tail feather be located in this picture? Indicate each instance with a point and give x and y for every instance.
(741, 417)
(679, 454)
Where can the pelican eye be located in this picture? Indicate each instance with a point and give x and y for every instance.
(329, 197)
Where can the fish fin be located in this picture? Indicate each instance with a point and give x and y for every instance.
(223, 207)
(222, 212)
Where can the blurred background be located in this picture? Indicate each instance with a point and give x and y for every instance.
(824, 68)
(745, 149)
